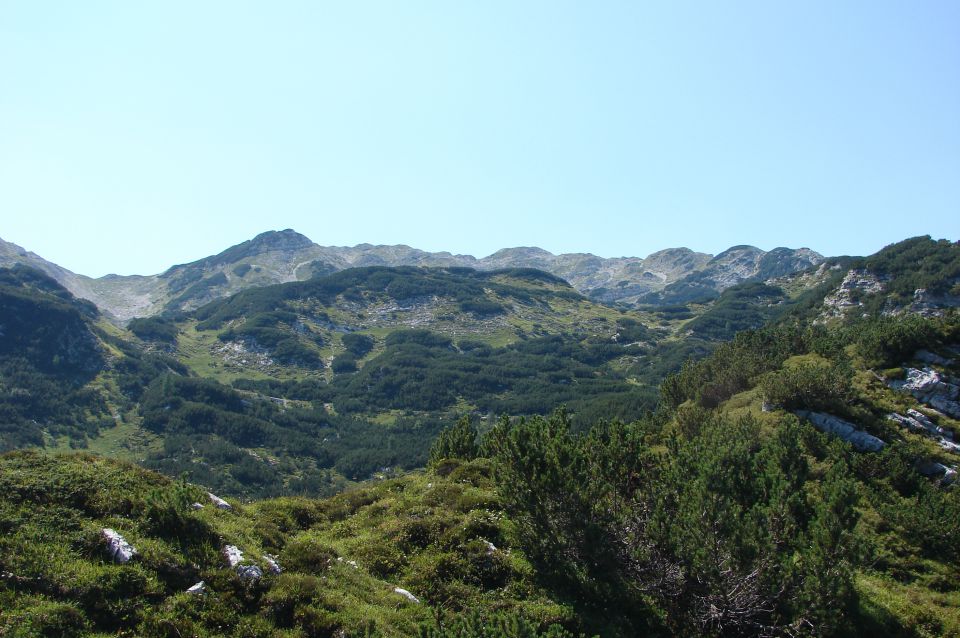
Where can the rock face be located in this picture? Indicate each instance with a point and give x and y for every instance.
(931, 388)
(846, 297)
(199, 588)
(843, 430)
(928, 468)
(234, 558)
(932, 358)
(931, 305)
(119, 549)
(733, 266)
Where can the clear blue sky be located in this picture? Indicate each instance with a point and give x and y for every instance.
(133, 137)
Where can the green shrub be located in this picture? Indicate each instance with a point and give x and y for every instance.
(810, 385)
(306, 553)
(43, 619)
(288, 597)
(344, 363)
(458, 441)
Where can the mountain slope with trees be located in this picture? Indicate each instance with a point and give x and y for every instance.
(796, 477)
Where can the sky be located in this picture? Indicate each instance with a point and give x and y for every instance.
(134, 136)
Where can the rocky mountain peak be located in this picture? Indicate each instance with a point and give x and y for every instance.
(672, 275)
(741, 253)
(287, 239)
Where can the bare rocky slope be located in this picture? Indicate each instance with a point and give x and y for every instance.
(673, 275)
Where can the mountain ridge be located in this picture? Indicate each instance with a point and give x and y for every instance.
(282, 256)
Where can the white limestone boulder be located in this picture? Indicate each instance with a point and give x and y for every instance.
(403, 592)
(218, 502)
(843, 430)
(233, 555)
(120, 550)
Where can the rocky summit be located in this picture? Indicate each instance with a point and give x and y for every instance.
(670, 276)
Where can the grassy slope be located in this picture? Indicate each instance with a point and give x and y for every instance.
(342, 557)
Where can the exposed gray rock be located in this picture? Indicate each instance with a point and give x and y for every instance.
(272, 565)
(930, 468)
(199, 588)
(847, 295)
(949, 446)
(905, 421)
(932, 358)
(843, 430)
(403, 592)
(233, 555)
(949, 477)
(120, 550)
(219, 502)
(924, 421)
(928, 304)
(918, 422)
(947, 406)
(733, 266)
(283, 256)
(931, 388)
(196, 506)
(925, 383)
(249, 572)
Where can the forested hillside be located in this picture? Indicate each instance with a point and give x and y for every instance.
(796, 476)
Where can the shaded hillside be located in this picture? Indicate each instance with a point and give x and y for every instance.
(49, 352)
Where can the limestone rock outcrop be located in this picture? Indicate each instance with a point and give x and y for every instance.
(916, 421)
(931, 388)
(843, 430)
